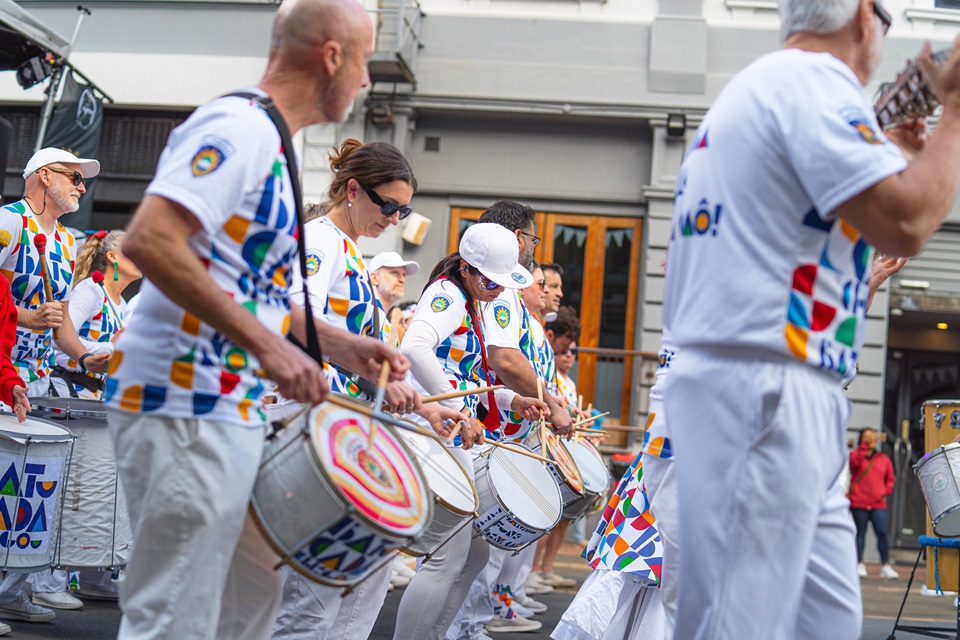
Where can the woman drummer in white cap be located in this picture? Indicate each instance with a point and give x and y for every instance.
(445, 346)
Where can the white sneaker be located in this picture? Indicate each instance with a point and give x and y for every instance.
(517, 624)
(56, 600)
(535, 587)
(555, 580)
(25, 610)
(400, 566)
(399, 581)
(519, 609)
(887, 572)
(529, 603)
(862, 570)
(4, 629)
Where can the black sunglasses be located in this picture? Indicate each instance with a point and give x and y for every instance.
(885, 18)
(569, 352)
(486, 284)
(77, 176)
(387, 207)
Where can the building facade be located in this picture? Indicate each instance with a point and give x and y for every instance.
(580, 108)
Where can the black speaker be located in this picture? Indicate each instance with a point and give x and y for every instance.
(6, 134)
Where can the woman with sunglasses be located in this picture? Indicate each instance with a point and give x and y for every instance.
(97, 310)
(371, 190)
(445, 346)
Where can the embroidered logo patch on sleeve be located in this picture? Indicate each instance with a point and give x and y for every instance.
(314, 258)
(212, 153)
(502, 313)
(859, 121)
(440, 302)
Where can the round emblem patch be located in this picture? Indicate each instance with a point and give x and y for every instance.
(314, 258)
(207, 160)
(939, 482)
(440, 302)
(519, 279)
(502, 314)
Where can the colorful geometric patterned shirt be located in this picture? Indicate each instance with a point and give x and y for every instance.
(226, 166)
(340, 290)
(758, 259)
(507, 324)
(20, 264)
(656, 437)
(96, 319)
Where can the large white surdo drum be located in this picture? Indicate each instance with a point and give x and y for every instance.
(593, 470)
(34, 460)
(519, 500)
(95, 527)
(455, 499)
(334, 507)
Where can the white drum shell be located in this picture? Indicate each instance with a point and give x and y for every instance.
(95, 529)
(938, 472)
(572, 498)
(514, 529)
(16, 554)
(447, 517)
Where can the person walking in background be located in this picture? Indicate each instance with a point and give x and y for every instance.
(871, 481)
(388, 275)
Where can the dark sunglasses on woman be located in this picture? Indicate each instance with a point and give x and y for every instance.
(387, 207)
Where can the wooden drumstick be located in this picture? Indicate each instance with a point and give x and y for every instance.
(580, 423)
(382, 383)
(40, 242)
(456, 431)
(460, 393)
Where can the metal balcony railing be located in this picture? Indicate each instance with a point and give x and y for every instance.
(397, 43)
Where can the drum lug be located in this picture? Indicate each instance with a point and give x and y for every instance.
(938, 418)
(955, 419)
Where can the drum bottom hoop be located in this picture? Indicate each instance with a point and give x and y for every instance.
(579, 507)
(447, 525)
(947, 524)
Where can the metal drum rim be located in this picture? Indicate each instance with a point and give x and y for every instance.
(941, 449)
(437, 497)
(69, 435)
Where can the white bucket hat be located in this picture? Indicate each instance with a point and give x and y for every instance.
(51, 155)
(493, 250)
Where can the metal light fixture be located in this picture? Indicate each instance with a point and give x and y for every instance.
(676, 125)
(33, 71)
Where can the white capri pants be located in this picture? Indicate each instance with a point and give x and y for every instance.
(766, 539)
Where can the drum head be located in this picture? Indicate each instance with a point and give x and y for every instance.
(596, 478)
(75, 407)
(445, 475)
(34, 429)
(567, 466)
(525, 488)
(382, 483)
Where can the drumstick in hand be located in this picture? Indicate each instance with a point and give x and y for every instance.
(382, 384)
(40, 242)
(460, 393)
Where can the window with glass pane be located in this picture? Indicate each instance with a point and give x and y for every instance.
(947, 4)
(569, 250)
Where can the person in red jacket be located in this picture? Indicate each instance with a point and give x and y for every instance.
(871, 481)
(13, 391)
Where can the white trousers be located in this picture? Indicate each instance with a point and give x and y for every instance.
(434, 596)
(477, 608)
(199, 568)
(612, 606)
(312, 611)
(766, 539)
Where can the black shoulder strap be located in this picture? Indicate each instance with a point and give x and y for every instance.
(266, 103)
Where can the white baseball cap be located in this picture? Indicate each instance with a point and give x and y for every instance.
(51, 155)
(493, 250)
(392, 259)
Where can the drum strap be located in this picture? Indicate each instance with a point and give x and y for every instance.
(491, 421)
(312, 347)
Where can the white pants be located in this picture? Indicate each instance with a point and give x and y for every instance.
(612, 606)
(477, 608)
(312, 611)
(432, 599)
(199, 568)
(766, 538)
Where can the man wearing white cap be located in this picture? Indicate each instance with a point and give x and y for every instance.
(388, 273)
(53, 186)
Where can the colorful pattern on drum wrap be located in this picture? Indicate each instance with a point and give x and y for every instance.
(346, 551)
(378, 481)
(626, 538)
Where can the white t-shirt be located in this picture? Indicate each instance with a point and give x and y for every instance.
(96, 319)
(340, 290)
(656, 437)
(32, 354)
(756, 257)
(226, 166)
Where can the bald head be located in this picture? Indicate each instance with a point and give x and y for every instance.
(302, 26)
